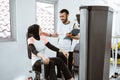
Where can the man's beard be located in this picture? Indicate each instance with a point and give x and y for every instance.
(64, 22)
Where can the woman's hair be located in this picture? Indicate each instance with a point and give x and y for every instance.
(33, 31)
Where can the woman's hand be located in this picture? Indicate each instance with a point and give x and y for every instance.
(66, 54)
(45, 59)
(54, 35)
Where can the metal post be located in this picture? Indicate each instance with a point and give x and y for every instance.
(95, 40)
(83, 44)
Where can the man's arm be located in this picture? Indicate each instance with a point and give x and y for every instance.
(75, 37)
(72, 37)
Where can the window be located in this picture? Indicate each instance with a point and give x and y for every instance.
(45, 16)
(6, 20)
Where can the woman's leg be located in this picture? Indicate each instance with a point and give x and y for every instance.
(37, 68)
(64, 60)
(70, 60)
(62, 66)
(67, 62)
(50, 71)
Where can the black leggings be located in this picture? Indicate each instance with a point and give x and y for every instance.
(67, 62)
(50, 68)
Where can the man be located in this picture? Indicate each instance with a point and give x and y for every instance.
(65, 39)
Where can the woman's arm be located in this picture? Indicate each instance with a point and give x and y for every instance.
(48, 44)
(52, 47)
(32, 48)
(49, 34)
(34, 51)
(45, 34)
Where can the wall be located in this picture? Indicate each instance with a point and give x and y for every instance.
(13, 55)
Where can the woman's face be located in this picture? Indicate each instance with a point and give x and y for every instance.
(40, 31)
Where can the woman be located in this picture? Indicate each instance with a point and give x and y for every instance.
(35, 34)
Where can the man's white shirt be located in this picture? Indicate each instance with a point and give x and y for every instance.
(65, 44)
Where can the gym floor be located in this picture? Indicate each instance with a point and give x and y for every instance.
(111, 73)
(112, 70)
(115, 79)
(76, 78)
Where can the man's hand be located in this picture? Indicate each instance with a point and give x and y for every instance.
(69, 35)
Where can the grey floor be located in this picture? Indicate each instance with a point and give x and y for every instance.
(113, 70)
(76, 76)
(115, 78)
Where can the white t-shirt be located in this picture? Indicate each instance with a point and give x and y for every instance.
(40, 46)
(64, 44)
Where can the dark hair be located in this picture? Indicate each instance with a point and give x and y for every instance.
(64, 10)
(33, 30)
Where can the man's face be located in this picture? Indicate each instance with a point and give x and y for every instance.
(63, 17)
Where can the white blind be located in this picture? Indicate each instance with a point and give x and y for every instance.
(45, 16)
(4, 19)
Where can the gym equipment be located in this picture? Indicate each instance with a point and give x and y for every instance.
(95, 39)
(76, 57)
(38, 75)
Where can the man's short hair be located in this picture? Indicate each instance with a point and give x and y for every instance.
(64, 10)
